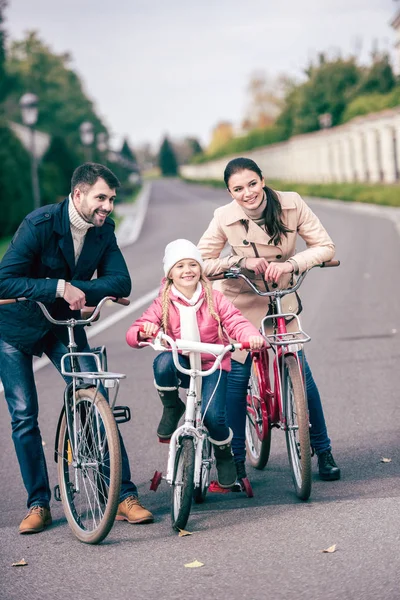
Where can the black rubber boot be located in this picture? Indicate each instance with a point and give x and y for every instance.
(172, 412)
(241, 469)
(225, 464)
(328, 469)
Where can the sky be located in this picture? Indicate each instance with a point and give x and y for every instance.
(178, 67)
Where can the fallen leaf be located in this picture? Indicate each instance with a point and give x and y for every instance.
(20, 563)
(43, 443)
(386, 460)
(194, 564)
(183, 532)
(330, 549)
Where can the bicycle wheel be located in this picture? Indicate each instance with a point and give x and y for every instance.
(90, 482)
(200, 492)
(182, 487)
(258, 430)
(297, 428)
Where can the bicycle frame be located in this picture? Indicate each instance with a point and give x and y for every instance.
(193, 425)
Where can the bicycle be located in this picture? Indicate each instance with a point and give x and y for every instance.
(190, 452)
(281, 403)
(87, 448)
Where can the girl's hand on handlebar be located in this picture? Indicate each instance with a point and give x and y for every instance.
(148, 330)
(275, 270)
(258, 265)
(256, 342)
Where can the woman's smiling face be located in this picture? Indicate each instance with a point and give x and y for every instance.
(246, 187)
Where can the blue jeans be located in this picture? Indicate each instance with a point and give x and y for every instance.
(16, 373)
(167, 376)
(236, 409)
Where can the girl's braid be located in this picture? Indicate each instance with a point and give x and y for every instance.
(165, 304)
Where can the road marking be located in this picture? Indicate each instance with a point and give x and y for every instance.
(103, 325)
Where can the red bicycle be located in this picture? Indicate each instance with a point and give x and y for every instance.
(279, 399)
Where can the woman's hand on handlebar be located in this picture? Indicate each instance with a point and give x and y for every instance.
(258, 265)
(275, 270)
(256, 342)
(148, 330)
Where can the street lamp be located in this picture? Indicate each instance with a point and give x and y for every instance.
(325, 120)
(87, 137)
(102, 141)
(29, 110)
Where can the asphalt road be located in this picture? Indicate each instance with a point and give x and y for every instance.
(269, 546)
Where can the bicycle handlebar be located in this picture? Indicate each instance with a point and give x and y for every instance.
(123, 301)
(235, 273)
(218, 350)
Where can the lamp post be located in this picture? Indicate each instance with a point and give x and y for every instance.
(29, 110)
(87, 137)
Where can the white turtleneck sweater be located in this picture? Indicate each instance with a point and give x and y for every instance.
(79, 229)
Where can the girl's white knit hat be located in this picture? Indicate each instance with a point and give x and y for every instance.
(179, 250)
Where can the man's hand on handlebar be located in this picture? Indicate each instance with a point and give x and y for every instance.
(256, 342)
(148, 330)
(74, 297)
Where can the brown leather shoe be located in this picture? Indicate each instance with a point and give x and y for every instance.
(36, 520)
(132, 511)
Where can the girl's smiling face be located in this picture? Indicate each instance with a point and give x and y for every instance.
(185, 275)
(246, 187)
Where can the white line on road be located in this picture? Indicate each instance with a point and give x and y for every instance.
(103, 325)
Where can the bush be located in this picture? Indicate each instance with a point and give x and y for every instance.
(16, 199)
(370, 103)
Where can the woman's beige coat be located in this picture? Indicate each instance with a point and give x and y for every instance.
(227, 227)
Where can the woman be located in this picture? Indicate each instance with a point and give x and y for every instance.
(261, 228)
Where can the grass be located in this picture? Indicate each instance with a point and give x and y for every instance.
(4, 245)
(385, 195)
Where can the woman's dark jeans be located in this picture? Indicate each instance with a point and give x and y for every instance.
(18, 380)
(236, 409)
(167, 376)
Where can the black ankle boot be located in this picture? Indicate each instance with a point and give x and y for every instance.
(328, 469)
(225, 464)
(172, 412)
(241, 469)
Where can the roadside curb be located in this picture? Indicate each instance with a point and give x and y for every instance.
(133, 217)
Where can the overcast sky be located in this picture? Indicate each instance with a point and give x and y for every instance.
(174, 66)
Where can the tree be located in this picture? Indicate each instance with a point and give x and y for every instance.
(221, 134)
(379, 78)
(4, 80)
(127, 152)
(56, 171)
(167, 159)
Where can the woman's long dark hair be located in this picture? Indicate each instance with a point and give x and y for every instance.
(273, 211)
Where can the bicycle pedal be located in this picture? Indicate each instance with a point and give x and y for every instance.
(215, 488)
(122, 414)
(156, 480)
(57, 494)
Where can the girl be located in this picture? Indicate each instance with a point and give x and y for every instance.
(188, 308)
(261, 227)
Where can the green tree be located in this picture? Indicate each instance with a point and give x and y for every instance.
(329, 88)
(167, 159)
(379, 78)
(15, 181)
(127, 152)
(63, 105)
(4, 80)
(56, 171)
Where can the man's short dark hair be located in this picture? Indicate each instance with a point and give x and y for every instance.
(87, 174)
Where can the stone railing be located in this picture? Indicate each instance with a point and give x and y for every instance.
(366, 149)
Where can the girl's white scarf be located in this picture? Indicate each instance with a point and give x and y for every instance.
(189, 325)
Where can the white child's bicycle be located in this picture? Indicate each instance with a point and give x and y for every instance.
(190, 451)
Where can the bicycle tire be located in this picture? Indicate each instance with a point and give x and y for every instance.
(90, 488)
(297, 428)
(200, 492)
(258, 430)
(182, 487)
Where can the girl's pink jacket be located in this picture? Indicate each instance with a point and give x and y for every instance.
(233, 322)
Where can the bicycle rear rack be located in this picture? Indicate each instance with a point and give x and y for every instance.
(284, 339)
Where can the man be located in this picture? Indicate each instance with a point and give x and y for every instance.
(52, 258)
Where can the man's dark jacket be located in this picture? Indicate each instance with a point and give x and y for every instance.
(41, 253)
